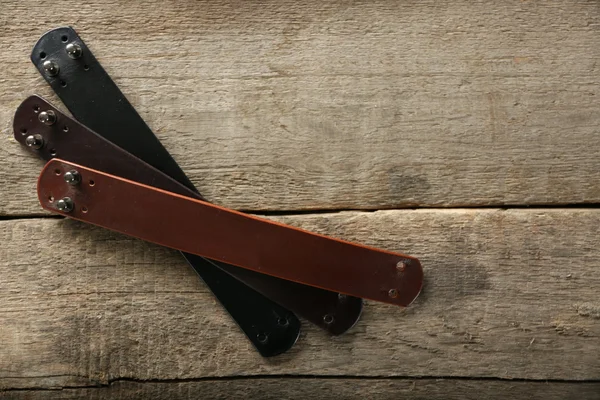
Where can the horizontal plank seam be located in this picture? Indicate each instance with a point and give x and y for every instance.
(433, 208)
(364, 210)
(304, 377)
(29, 216)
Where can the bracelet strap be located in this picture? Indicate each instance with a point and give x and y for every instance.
(197, 227)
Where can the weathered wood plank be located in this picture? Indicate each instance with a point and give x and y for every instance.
(360, 389)
(508, 294)
(287, 105)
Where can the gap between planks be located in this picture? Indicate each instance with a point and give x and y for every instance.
(283, 213)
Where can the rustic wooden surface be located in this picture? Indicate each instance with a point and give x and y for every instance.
(328, 389)
(506, 297)
(279, 106)
(289, 105)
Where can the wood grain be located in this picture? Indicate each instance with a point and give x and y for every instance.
(290, 105)
(288, 388)
(508, 294)
(275, 105)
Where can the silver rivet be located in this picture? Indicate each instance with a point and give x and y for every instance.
(34, 141)
(328, 319)
(393, 293)
(47, 117)
(262, 337)
(72, 177)
(401, 266)
(73, 50)
(65, 204)
(51, 68)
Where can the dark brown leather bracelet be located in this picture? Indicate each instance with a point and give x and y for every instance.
(197, 227)
(70, 140)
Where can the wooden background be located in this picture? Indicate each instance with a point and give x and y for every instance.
(465, 133)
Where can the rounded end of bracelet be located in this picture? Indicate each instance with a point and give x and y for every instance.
(410, 282)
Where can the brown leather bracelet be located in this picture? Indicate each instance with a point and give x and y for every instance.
(201, 228)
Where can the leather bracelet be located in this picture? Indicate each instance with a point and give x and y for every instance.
(197, 227)
(63, 137)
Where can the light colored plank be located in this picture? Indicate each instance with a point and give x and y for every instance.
(360, 389)
(288, 105)
(508, 294)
